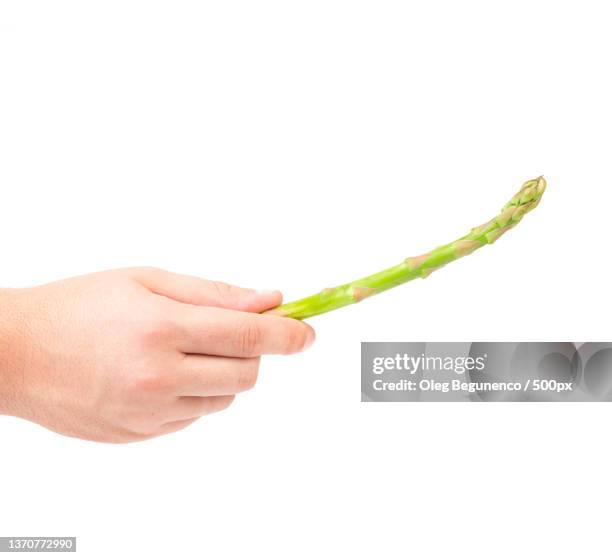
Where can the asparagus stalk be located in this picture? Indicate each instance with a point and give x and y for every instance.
(524, 201)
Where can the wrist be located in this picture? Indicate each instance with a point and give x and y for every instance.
(11, 334)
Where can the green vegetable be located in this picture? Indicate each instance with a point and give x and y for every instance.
(524, 201)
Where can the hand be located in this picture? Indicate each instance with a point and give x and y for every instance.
(129, 354)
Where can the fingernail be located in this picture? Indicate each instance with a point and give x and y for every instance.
(265, 292)
(310, 339)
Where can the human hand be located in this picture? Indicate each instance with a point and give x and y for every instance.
(130, 354)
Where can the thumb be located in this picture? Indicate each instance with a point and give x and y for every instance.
(202, 292)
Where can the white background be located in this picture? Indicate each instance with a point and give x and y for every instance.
(298, 145)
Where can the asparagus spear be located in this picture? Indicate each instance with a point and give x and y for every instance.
(524, 201)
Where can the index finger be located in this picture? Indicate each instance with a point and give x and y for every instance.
(223, 332)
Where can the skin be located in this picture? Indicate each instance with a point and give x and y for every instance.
(127, 355)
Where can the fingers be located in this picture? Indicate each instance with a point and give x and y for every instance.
(210, 375)
(221, 332)
(205, 385)
(180, 412)
(174, 426)
(189, 408)
(201, 292)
